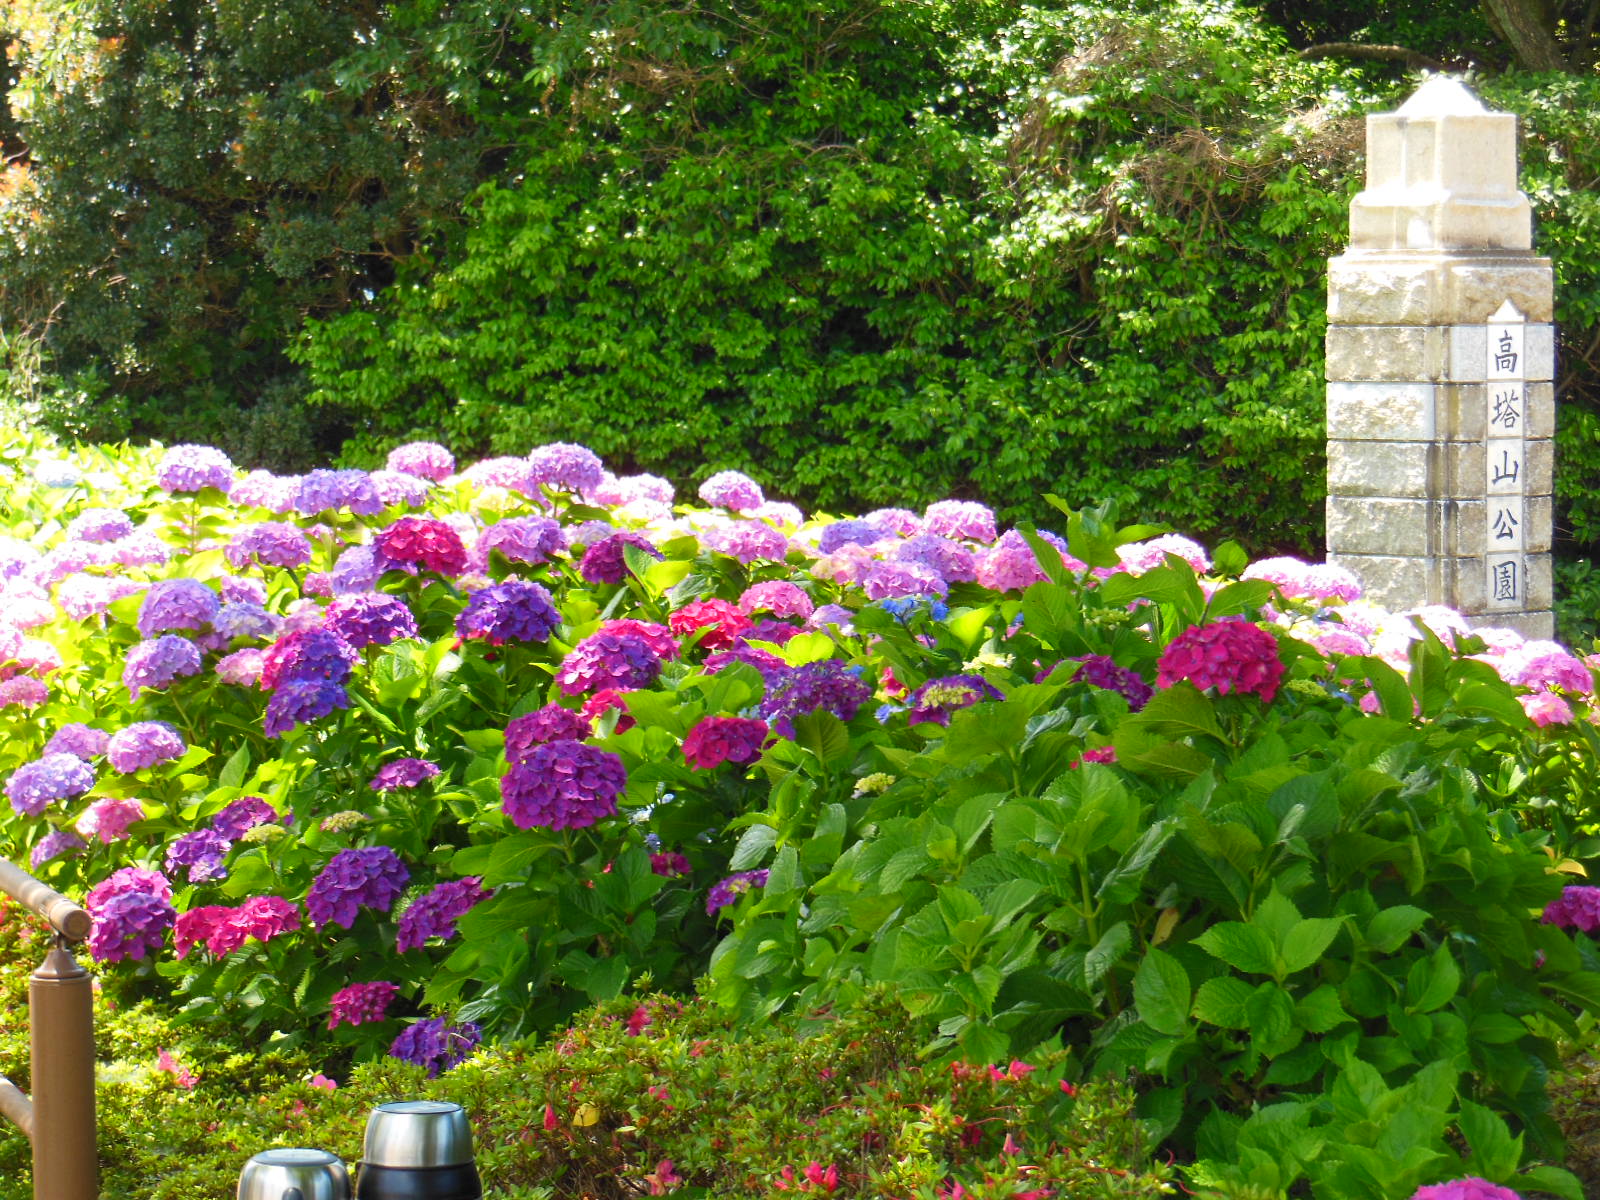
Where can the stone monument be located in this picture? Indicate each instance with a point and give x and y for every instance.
(1440, 361)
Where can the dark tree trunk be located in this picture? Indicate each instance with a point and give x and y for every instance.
(1528, 27)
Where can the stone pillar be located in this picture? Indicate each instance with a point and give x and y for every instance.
(1440, 358)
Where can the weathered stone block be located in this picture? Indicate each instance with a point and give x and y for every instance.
(1381, 412)
(1411, 353)
(1379, 468)
(1396, 528)
(1392, 581)
(1387, 287)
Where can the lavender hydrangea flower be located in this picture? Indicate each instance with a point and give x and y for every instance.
(726, 891)
(563, 785)
(200, 853)
(1103, 672)
(315, 653)
(884, 580)
(244, 814)
(158, 662)
(370, 876)
(849, 533)
(243, 619)
(403, 773)
(370, 619)
(34, 785)
(243, 589)
(747, 541)
(515, 474)
(18, 560)
(436, 1044)
(960, 519)
(827, 684)
(53, 845)
(425, 460)
(76, 738)
(177, 604)
(99, 525)
(608, 660)
(949, 560)
(434, 914)
(516, 610)
(732, 489)
(263, 489)
(139, 549)
(605, 561)
(23, 691)
(143, 744)
(566, 467)
(901, 521)
(358, 570)
(302, 701)
(271, 543)
(396, 487)
(322, 491)
(190, 468)
(531, 540)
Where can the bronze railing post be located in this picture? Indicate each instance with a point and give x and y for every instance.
(59, 1118)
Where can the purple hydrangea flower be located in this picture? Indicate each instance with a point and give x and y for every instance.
(1470, 1188)
(302, 701)
(747, 541)
(322, 491)
(831, 614)
(370, 619)
(434, 914)
(552, 723)
(768, 664)
(243, 589)
(608, 660)
(271, 543)
(566, 467)
(827, 684)
(516, 610)
(263, 489)
(75, 738)
(850, 533)
(895, 520)
(778, 597)
(99, 525)
(1103, 672)
(425, 460)
(372, 876)
(726, 891)
(886, 580)
(1578, 908)
(532, 540)
(436, 1044)
(949, 560)
(605, 561)
(403, 773)
(396, 487)
(139, 549)
(190, 468)
(307, 654)
(1011, 565)
(358, 570)
(129, 925)
(34, 785)
(177, 604)
(53, 845)
(244, 619)
(143, 744)
(200, 853)
(361, 1003)
(18, 559)
(563, 785)
(23, 691)
(934, 701)
(243, 815)
(960, 519)
(731, 489)
(84, 596)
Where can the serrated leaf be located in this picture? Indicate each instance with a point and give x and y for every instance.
(1221, 1001)
(1243, 947)
(1305, 943)
(1162, 992)
(1393, 926)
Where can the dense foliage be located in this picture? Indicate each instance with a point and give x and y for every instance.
(878, 253)
(382, 763)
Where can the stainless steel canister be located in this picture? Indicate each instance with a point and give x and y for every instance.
(294, 1174)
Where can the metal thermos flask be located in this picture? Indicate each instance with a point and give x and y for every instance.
(294, 1174)
(418, 1150)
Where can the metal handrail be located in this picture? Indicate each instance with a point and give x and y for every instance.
(58, 1119)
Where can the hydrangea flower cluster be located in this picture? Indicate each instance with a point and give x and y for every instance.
(200, 854)
(1578, 908)
(732, 489)
(1103, 672)
(716, 740)
(726, 891)
(223, 930)
(565, 467)
(244, 620)
(243, 815)
(723, 623)
(436, 1044)
(190, 468)
(747, 541)
(403, 773)
(370, 876)
(936, 699)
(434, 913)
(423, 542)
(143, 744)
(108, 819)
(562, 785)
(605, 560)
(324, 491)
(1230, 655)
(270, 543)
(35, 785)
(307, 654)
(425, 460)
(517, 610)
(132, 911)
(361, 1003)
(53, 845)
(606, 660)
(157, 662)
(778, 597)
(1471, 1188)
(552, 723)
(99, 525)
(300, 702)
(177, 604)
(825, 685)
(960, 519)
(531, 540)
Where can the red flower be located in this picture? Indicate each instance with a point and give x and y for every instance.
(722, 621)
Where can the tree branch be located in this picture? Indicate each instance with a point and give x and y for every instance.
(1416, 60)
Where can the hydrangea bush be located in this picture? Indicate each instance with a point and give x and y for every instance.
(408, 758)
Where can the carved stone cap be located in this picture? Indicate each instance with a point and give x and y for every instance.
(1441, 175)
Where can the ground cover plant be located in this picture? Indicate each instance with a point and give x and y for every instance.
(376, 766)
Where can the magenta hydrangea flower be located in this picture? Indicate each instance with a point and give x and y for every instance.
(436, 1044)
(266, 917)
(369, 876)
(323, 491)
(605, 561)
(1546, 708)
(608, 660)
(434, 913)
(562, 785)
(361, 1003)
(778, 597)
(747, 541)
(1578, 908)
(109, 819)
(158, 662)
(177, 604)
(139, 549)
(99, 525)
(307, 654)
(422, 542)
(130, 925)
(531, 540)
(935, 700)
(731, 489)
(403, 773)
(143, 744)
(271, 543)
(1102, 672)
(425, 460)
(960, 519)
(716, 740)
(200, 854)
(515, 610)
(243, 815)
(1231, 655)
(566, 467)
(35, 785)
(900, 521)
(370, 619)
(722, 622)
(552, 723)
(1471, 1188)
(302, 701)
(726, 891)
(1547, 665)
(670, 864)
(190, 468)
(53, 845)
(662, 641)
(824, 685)
(1306, 581)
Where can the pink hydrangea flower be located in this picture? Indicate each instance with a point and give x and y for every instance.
(109, 819)
(716, 740)
(1230, 655)
(1546, 708)
(1471, 1188)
